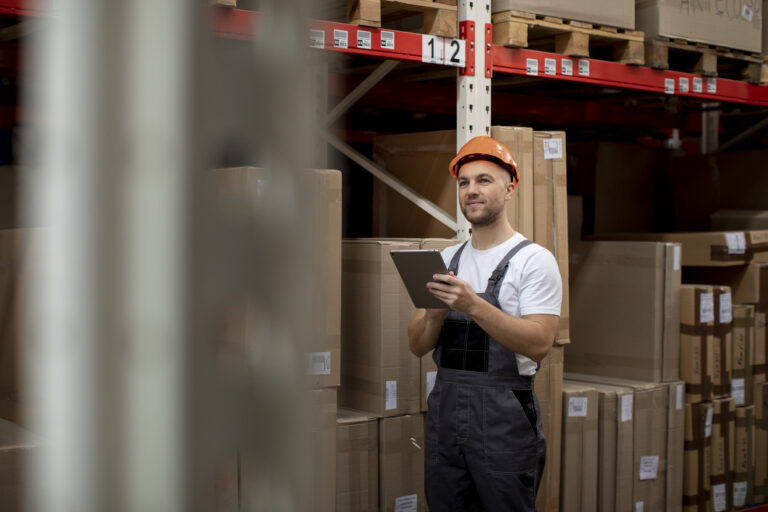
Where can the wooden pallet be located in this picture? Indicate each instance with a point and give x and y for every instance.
(702, 59)
(572, 38)
(439, 16)
(764, 71)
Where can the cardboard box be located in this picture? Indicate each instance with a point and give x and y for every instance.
(739, 220)
(246, 186)
(736, 25)
(697, 341)
(615, 447)
(619, 14)
(420, 160)
(578, 478)
(743, 354)
(708, 249)
(761, 443)
(401, 463)
(551, 209)
(548, 387)
(675, 446)
(625, 298)
(749, 283)
(698, 446)
(652, 435)
(379, 374)
(357, 462)
(16, 448)
(744, 461)
(723, 454)
(722, 357)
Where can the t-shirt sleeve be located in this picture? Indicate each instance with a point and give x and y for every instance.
(541, 288)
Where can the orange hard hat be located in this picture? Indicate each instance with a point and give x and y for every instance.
(483, 147)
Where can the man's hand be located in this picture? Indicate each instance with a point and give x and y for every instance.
(458, 294)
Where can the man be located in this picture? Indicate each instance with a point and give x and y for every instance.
(485, 448)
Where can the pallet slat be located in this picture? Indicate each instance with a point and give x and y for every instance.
(693, 57)
(440, 17)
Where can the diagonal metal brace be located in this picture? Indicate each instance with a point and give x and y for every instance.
(425, 204)
(359, 91)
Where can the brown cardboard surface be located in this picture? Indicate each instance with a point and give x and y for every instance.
(615, 447)
(698, 439)
(421, 161)
(247, 185)
(625, 299)
(602, 12)
(578, 479)
(722, 354)
(376, 360)
(675, 446)
(739, 220)
(651, 437)
(550, 199)
(743, 354)
(707, 249)
(357, 462)
(548, 387)
(401, 461)
(723, 455)
(697, 341)
(761, 443)
(744, 461)
(715, 23)
(16, 446)
(749, 283)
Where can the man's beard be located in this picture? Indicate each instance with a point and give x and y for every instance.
(488, 216)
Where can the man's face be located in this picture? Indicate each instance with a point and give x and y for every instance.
(484, 188)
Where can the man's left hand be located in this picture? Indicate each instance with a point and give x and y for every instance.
(458, 294)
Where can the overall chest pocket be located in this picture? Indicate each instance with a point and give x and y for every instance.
(463, 346)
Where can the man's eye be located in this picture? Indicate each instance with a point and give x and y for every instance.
(485, 180)
(463, 183)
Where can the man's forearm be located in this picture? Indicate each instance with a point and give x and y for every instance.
(525, 337)
(423, 332)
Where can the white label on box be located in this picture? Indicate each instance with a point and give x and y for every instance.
(553, 148)
(577, 406)
(627, 402)
(340, 38)
(638, 506)
(390, 398)
(566, 67)
(531, 67)
(431, 376)
(747, 13)
(456, 53)
(708, 422)
(583, 67)
(550, 67)
(683, 84)
(707, 308)
(739, 494)
(698, 84)
(669, 86)
(676, 258)
(364, 39)
(649, 467)
(737, 244)
(432, 49)
(726, 309)
(407, 503)
(712, 85)
(679, 400)
(718, 495)
(737, 391)
(317, 38)
(319, 363)
(387, 40)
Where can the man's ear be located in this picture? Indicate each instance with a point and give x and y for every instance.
(510, 190)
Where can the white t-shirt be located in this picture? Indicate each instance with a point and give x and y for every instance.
(531, 286)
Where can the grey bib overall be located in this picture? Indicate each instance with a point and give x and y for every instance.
(485, 447)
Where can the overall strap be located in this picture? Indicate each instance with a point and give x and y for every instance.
(494, 282)
(454, 266)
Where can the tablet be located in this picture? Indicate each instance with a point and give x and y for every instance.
(416, 269)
